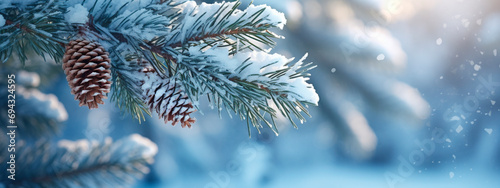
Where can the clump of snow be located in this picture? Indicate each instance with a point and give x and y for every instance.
(77, 14)
(271, 15)
(142, 148)
(137, 142)
(28, 79)
(82, 145)
(2, 21)
(46, 105)
(189, 7)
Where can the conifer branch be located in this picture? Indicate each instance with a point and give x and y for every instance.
(222, 34)
(37, 114)
(213, 49)
(71, 164)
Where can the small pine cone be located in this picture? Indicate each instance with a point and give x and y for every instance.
(87, 68)
(166, 98)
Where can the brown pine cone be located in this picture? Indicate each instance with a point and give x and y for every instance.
(165, 97)
(87, 68)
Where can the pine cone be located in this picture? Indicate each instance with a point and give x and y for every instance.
(87, 68)
(166, 98)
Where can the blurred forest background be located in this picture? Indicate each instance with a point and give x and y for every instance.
(390, 74)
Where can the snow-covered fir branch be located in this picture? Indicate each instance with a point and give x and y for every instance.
(83, 163)
(37, 25)
(218, 49)
(246, 82)
(37, 114)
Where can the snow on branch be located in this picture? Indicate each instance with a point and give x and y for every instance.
(77, 15)
(273, 71)
(220, 50)
(246, 81)
(213, 23)
(145, 24)
(36, 25)
(37, 114)
(85, 163)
